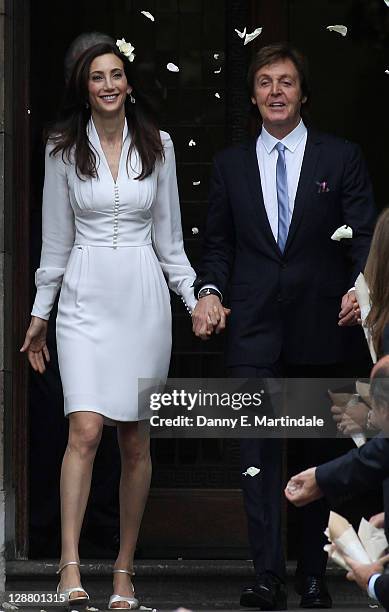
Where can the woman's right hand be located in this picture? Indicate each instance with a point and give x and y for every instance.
(378, 520)
(35, 344)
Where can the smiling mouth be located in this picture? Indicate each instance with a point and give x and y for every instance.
(109, 98)
(277, 105)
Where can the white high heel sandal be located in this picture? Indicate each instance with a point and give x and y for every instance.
(133, 602)
(68, 592)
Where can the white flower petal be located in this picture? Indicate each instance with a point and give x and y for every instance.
(192, 143)
(386, 71)
(195, 230)
(252, 35)
(172, 67)
(196, 183)
(345, 231)
(241, 34)
(386, 2)
(217, 95)
(218, 71)
(216, 55)
(251, 471)
(148, 15)
(341, 29)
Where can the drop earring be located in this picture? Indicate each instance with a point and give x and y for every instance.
(132, 99)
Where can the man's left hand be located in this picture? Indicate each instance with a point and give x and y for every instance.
(362, 572)
(350, 313)
(303, 488)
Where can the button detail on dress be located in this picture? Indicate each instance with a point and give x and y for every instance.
(115, 217)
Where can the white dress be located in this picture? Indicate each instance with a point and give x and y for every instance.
(109, 246)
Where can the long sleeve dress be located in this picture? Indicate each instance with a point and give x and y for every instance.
(109, 246)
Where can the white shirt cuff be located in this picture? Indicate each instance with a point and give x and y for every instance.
(370, 587)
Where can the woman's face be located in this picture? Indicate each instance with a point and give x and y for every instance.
(107, 85)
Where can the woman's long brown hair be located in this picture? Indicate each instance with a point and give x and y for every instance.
(377, 278)
(69, 132)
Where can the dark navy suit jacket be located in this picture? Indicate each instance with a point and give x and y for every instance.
(287, 302)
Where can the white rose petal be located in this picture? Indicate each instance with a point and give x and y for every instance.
(241, 34)
(92, 609)
(341, 29)
(251, 471)
(345, 231)
(386, 71)
(216, 55)
(386, 2)
(195, 183)
(252, 35)
(172, 67)
(8, 606)
(192, 143)
(148, 15)
(218, 71)
(217, 95)
(195, 230)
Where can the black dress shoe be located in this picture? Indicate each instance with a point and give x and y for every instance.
(314, 593)
(268, 593)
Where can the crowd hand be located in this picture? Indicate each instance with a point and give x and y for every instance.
(35, 344)
(303, 489)
(350, 313)
(209, 316)
(378, 520)
(348, 426)
(362, 572)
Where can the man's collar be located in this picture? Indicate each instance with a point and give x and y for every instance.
(290, 141)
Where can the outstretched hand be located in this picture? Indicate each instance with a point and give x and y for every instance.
(35, 344)
(362, 572)
(209, 316)
(303, 489)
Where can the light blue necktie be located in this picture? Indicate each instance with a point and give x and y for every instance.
(282, 197)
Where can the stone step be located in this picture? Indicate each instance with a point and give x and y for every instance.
(169, 584)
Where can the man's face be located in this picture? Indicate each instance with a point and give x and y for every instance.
(277, 94)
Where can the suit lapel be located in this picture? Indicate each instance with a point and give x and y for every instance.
(258, 205)
(306, 180)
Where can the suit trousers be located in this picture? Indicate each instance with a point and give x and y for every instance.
(263, 495)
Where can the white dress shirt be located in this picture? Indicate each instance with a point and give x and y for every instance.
(267, 157)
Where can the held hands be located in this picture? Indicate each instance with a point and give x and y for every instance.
(209, 316)
(350, 313)
(378, 520)
(303, 489)
(35, 344)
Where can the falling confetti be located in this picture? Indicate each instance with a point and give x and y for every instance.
(386, 71)
(8, 606)
(386, 2)
(252, 35)
(195, 230)
(192, 143)
(341, 29)
(241, 34)
(92, 609)
(216, 55)
(195, 183)
(218, 71)
(217, 95)
(251, 471)
(148, 15)
(172, 67)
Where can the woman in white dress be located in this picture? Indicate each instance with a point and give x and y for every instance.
(111, 234)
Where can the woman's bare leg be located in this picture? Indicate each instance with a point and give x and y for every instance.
(134, 444)
(85, 429)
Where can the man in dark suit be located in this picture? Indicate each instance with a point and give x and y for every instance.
(355, 473)
(274, 204)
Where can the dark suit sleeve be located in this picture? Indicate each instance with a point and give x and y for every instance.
(361, 469)
(358, 207)
(385, 340)
(219, 240)
(381, 588)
